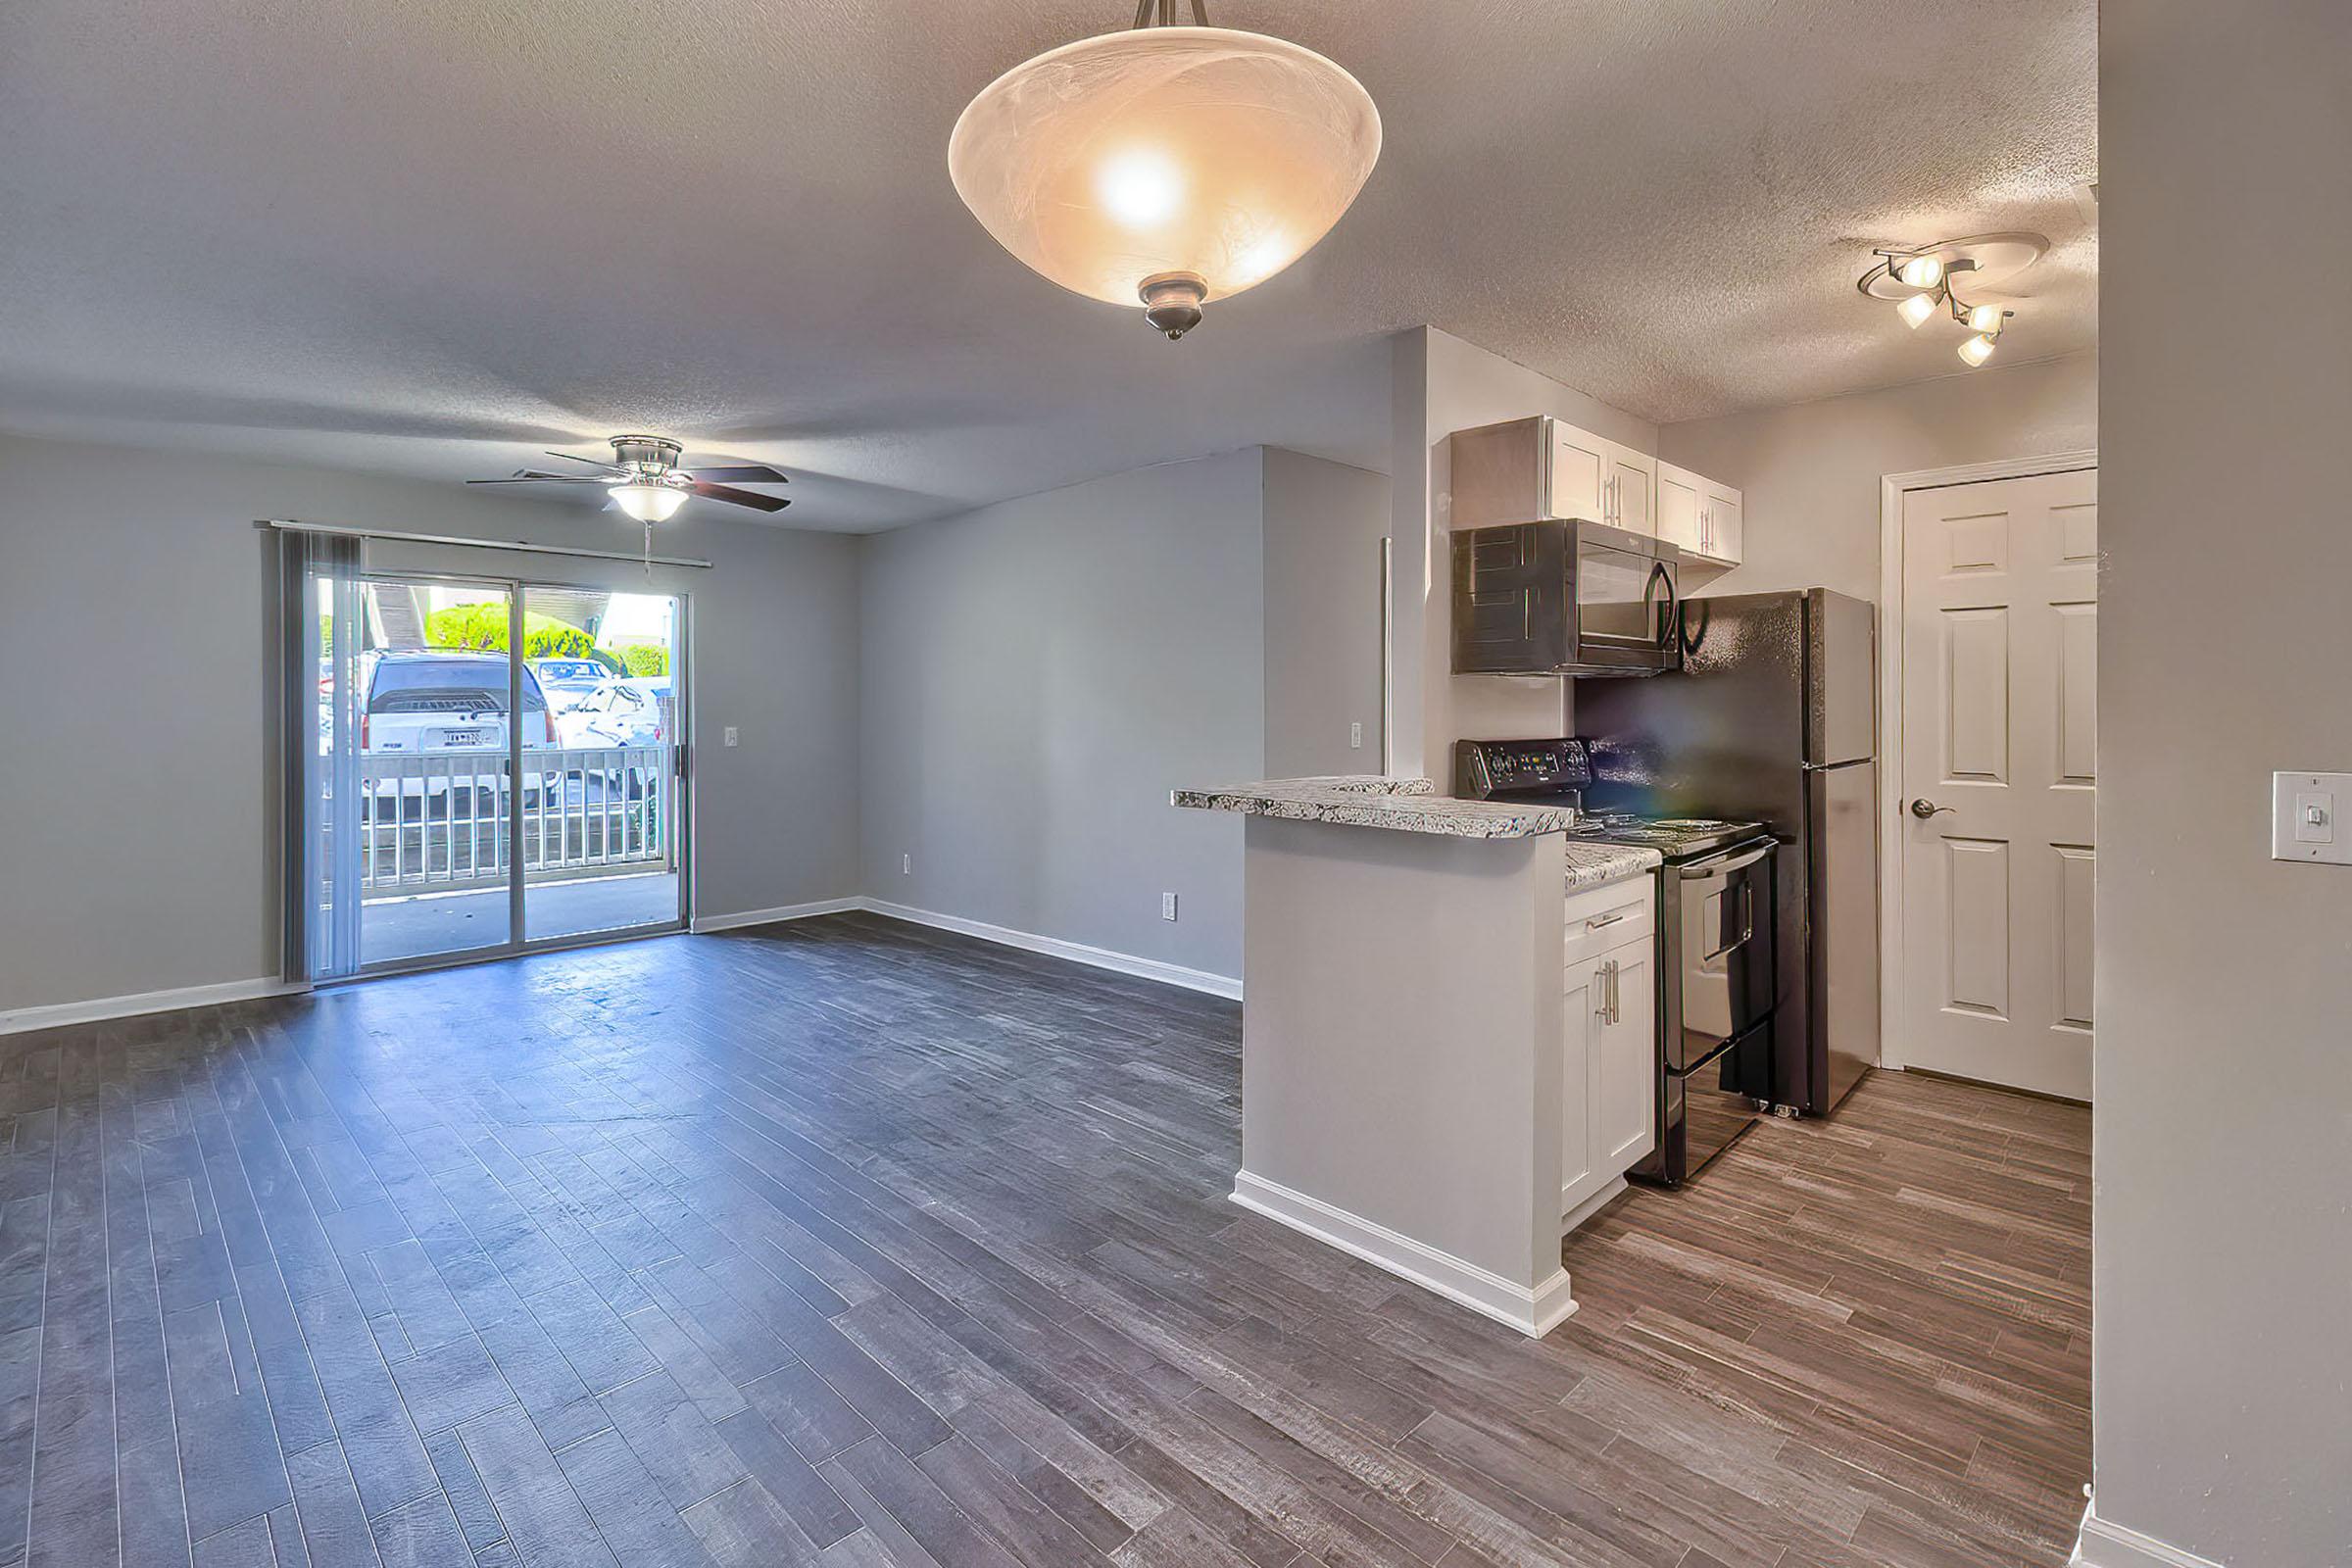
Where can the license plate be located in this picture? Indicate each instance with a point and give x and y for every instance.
(460, 737)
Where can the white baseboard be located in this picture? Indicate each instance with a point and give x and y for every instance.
(2104, 1544)
(1535, 1312)
(1174, 974)
(705, 923)
(1592, 1206)
(23, 1020)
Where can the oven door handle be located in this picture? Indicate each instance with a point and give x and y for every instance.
(1698, 870)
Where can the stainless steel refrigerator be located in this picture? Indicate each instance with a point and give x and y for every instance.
(1773, 716)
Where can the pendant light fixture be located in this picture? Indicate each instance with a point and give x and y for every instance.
(1165, 165)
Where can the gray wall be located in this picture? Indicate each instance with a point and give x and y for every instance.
(2222, 1229)
(1037, 675)
(1324, 524)
(1809, 473)
(141, 849)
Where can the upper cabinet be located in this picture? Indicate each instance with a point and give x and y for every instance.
(1698, 516)
(1541, 469)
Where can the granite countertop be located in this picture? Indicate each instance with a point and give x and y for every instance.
(1414, 806)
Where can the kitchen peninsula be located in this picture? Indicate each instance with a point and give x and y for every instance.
(1448, 1041)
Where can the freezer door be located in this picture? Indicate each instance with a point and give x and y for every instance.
(1722, 738)
(1843, 962)
(1841, 712)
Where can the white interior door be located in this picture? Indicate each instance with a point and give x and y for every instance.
(2000, 771)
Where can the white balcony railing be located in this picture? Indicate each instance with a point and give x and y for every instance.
(438, 821)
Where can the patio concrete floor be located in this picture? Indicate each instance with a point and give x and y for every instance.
(416, 927)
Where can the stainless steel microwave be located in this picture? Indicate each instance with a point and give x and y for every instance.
(1565, 598)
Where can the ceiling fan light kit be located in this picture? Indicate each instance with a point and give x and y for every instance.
(644, 480)
(1921, 279)
(1169, 164)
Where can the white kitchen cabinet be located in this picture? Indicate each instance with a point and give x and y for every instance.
(1608, 1039)
(1698, 516)
(1679, 490)
(1624, 1056)
(1722, 529)
(1577, 483)
(1541, 469)
(1631, 499)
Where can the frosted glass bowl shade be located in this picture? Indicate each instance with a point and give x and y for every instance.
(1135, 155)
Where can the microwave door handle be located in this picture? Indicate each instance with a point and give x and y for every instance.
(1670, 626)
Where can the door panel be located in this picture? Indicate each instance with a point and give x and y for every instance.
(1975, 695)
(1678, 507)
(602, 810)
(1976, 882)
(1579, 462)
(1626, 1059)
(1632, 472)
(2000, 719)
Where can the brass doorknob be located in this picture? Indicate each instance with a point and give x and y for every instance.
(1923, 809)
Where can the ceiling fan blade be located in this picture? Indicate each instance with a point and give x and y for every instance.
(528, 476)
(740, 498)
(739, 473)
(568, 457)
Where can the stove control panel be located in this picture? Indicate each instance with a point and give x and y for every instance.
(1483, 770)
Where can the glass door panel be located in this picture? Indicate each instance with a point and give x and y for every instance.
(600, 803)
(435, 692)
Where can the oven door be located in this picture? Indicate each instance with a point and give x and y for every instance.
(1725, 910)
(1623, 603)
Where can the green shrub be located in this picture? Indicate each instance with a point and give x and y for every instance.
(644, 658)
(543, 636)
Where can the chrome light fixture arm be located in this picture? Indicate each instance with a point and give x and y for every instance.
(1162, 14)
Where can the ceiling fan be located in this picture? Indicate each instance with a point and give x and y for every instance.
(648, 484)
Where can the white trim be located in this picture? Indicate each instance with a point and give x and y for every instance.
(705, 923)
(1892, 488)
(2104, 1544)
(98, 1010)
(1535, 1312)
(1174, 974)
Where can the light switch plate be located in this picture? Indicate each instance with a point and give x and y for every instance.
(2305, 817)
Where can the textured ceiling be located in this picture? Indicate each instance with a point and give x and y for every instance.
(432, 236)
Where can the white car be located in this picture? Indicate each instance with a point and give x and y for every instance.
(616, 713)
(450, 705)
(566, 680)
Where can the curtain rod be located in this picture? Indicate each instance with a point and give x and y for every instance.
(348, 532)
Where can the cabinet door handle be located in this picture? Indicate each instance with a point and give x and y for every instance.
(1599, 920)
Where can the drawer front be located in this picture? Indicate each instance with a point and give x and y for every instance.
(1610, 918)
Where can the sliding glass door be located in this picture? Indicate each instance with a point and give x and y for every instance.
(601, 811)
(494, 767)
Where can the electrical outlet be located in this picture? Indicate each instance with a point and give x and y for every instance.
(1356, 737)
(732, 736)
(1167, 906)
(905, 866)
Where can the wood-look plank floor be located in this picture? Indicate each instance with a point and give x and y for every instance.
(855, 1244)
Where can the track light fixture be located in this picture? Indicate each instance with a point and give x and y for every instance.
(1923, 280)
